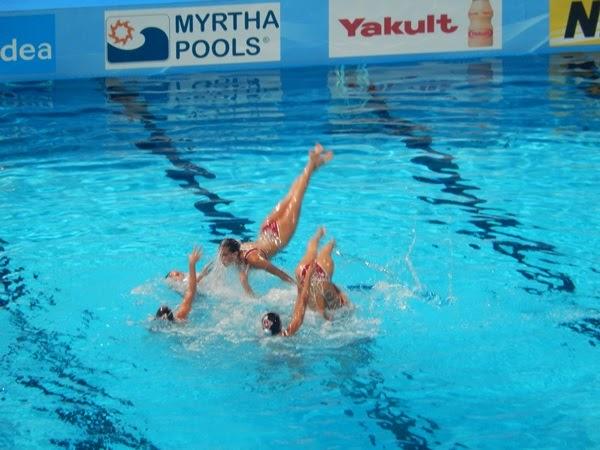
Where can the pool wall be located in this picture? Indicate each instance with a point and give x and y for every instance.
(56, 39)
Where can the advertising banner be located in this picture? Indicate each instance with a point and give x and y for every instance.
(384, 27)
(157, 36)
(27, 44)
(574, 22)
(170, 37)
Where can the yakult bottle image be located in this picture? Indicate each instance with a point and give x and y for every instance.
(481, 33)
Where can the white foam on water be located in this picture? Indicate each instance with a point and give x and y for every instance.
(223, 313)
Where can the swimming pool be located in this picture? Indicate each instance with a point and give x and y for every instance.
(463, 199)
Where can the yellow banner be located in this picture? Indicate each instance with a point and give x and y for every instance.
(574, 22)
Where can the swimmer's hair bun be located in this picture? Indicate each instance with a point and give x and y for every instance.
(231, 244)
(165, 313)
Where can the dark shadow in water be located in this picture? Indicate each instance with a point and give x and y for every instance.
(588, 326)
(184, 172)
(491, 224)
(583, 73)
(366, 388)
(353, 376)
(44, 365)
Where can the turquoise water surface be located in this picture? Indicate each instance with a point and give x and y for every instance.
(463, 200)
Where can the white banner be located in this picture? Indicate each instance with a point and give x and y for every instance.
(191, 36)
(395, 27)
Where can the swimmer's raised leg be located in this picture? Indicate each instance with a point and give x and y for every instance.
(311, 252)
(287, 212)
(324, 258)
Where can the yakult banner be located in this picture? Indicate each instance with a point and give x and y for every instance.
(395, 27)
(574, 22)
(192, 36)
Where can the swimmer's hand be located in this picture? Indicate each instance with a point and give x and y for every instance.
(195, 255)
(186, 305)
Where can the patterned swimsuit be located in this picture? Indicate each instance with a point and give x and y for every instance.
(319, 273)
(270, 232)
(251, 250)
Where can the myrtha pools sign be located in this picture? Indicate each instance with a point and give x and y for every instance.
(383, 27)
(192, 36)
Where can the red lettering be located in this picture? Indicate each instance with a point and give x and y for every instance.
(430, 23)
(445, 22)
(351, 27)
(399, 27)
(371, 29)
(390, 27)
(484, 33)
(411, 31)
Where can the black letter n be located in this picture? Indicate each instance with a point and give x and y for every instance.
(577, 15)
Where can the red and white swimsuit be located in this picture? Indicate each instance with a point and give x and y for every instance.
(246, 253)
(270, 231)
(319, 273)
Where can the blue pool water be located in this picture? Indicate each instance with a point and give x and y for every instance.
(463, 199)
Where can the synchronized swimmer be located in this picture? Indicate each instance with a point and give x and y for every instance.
(275, 232)
(183, 310)
(325, 296)
(313, 273)
(315, 288)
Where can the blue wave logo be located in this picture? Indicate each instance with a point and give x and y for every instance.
(137, 39)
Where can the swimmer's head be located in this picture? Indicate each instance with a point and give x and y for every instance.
(334, 297)
(175, 275)
(165, 313)
(271, 323)
(229, 251)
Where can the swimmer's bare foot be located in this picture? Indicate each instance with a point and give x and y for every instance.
(318, 156)
(320, 233)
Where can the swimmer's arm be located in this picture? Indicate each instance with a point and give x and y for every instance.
(245, 284)
(186, 305)
(301, 301)
(205, 271)
(266, 265)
